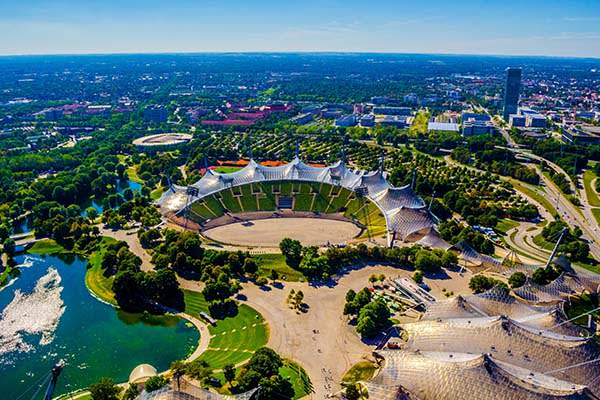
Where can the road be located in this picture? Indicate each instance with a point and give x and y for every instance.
(573, 215)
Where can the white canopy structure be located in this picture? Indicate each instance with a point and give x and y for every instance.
(405, 213)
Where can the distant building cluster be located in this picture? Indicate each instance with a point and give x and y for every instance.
(476, 124)
(234, 115)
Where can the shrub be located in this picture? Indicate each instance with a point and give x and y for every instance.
(155, 383)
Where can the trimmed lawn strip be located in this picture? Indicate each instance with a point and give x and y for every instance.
(46, 246)
(542, 243)
(505, 225)
(233, 339)
(298, 377)
(132, 174)
(95, 281)
(361, 371)
(226, 170)
(268, 262)
(590, 191)
(524, 188)
(596, 213)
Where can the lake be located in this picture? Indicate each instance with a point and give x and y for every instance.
(48, 314)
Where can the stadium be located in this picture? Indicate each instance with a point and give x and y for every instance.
(349, 204)
(162, 140)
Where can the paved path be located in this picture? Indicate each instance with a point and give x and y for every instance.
(204, 335)
(321, 339)
(130, 237)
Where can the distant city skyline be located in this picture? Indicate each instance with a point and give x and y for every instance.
(548, 28)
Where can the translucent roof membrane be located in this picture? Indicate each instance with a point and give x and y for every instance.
(189, 392)
(459, 376)
(404, 211)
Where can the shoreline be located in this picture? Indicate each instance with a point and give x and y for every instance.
(202, 329)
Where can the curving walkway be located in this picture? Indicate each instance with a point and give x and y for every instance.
(130, 237)
(321, 340)
(204, 335)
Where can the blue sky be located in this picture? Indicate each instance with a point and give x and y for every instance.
(563, 28)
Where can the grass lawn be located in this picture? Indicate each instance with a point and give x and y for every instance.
(527, 190)
(46, 246)
(542, 243)
(505, 225)
(268, 262)
(226, 170)
(233, 339)
(132, 174)
(290, 370)
(361, 371)
(590, 267)
(156, 193)
(580, 305)
(420, 123)
(95, 280)
(590, 191)
(298, 377)
(596, 212)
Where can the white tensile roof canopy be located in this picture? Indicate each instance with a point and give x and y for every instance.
(405, 213)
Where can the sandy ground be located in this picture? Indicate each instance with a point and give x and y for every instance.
(321, 339)
(269, 232)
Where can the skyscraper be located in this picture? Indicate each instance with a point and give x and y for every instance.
(511, 92)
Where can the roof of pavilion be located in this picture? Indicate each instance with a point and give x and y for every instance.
(487, 346)
(457, 376)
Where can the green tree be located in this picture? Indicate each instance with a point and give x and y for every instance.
(276, 387)
(481, 283)
(352, 392)
(517, 279)
(105, 389)
(229, 373)
(155, 382)
(9, 247)
(427, 260)
(91, 213)
(292, 251)
(372, 279)
(418, 277)
(131, 393)
(250, 266)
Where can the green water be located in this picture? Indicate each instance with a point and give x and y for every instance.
(93, 338)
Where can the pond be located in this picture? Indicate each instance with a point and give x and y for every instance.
(48, 314)
(122, 185)
(25, 225)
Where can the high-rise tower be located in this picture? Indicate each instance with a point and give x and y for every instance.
(511, 92)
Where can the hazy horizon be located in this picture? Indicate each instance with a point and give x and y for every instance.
(324, 53)
(465, 27)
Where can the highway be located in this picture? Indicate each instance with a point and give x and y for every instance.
(570, 213)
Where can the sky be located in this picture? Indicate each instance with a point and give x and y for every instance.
(529, 27)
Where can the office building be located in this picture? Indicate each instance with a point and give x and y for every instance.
(536, 121)
(473, 127)
(517, 120)
(466, 116)
(442, 126)
(587, 135)
(399, 121)
(392, 110)
(367, 120)
(346, 120)
(303, 118)
(511, 92)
